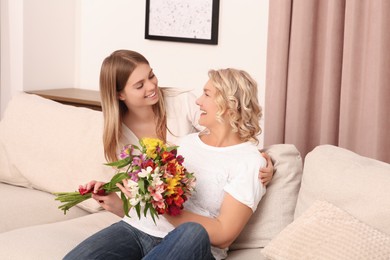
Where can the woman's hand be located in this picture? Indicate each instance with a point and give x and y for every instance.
(110, 202)
(266, 174)
(123, 188)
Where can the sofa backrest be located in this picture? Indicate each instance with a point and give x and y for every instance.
(50, 146)
(354, 183)
(276, 208)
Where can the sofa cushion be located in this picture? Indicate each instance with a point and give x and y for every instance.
(249, 253)
(54, 240)
(276, 208)
(356, 184)
(8, 172)
(327, 232)
(54, 147)
(22, 207)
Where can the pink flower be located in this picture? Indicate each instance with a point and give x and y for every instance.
(84, 191)
(157, 192)
(126, 151)
(159, 204)
(137, 160)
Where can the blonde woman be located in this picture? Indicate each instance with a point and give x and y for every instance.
(226, 161)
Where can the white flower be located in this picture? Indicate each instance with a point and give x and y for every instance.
(131, 184)
(147, 197)
(134, 201)
(133, 188)
(145, 173)
(156, 182)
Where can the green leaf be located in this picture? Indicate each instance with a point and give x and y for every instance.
(126, 204)
(152, 213)
(119, 177)
(141, 185)
(136, 147)
(120, 163)
(138, 209)
(146, 209)
(170, 148)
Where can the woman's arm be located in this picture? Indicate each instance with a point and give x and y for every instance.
(225, 228)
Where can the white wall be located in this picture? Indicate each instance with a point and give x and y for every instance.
(61, 43)
(11, 50)
(49, 31)
(38, 46)
(242, 42)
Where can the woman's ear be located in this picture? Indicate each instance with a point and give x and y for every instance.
(120, 96)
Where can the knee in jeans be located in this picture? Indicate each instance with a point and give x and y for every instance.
(195, 229)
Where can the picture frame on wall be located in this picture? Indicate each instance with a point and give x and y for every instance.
(193, 21)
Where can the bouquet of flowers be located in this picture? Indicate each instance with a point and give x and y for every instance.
(157, 181)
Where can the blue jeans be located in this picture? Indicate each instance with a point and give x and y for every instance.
(122, 241)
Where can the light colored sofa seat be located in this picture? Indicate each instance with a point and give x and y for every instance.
(22, 207)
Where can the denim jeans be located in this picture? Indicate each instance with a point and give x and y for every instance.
(122, 241)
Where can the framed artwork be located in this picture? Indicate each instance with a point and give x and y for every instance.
(194, 21)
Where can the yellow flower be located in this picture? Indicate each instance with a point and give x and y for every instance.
(150, 145)
(171, 184)
(179, 169)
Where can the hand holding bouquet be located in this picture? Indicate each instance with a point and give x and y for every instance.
(156, 182)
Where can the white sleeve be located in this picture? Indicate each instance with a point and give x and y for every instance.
(245, 185)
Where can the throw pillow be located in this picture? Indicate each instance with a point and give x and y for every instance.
(54, 147)
(325, 231)
(355, 183)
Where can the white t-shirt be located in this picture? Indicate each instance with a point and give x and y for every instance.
(233, 169)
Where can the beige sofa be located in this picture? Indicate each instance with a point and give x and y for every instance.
(49, 147)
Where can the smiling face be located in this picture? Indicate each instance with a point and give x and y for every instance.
(208, 106)
(141, 88)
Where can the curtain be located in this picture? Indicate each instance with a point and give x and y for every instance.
(328, 75)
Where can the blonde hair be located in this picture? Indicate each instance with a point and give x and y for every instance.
(236, 95)
(115, 71)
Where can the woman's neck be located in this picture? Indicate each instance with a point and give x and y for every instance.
(141, 122)
(140, 115)
(221, 137)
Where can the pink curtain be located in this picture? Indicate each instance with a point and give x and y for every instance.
(328, 75)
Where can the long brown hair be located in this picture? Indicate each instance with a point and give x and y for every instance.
(115, 71)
